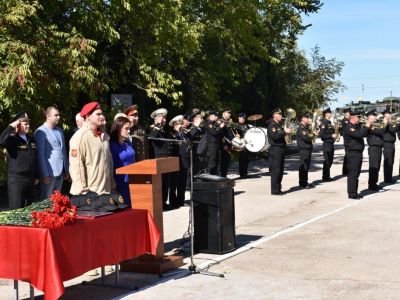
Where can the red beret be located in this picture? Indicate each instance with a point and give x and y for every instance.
(88, 108)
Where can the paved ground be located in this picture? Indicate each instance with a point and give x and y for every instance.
(309, 244)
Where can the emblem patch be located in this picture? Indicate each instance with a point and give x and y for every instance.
(352, 129)
(74, 152)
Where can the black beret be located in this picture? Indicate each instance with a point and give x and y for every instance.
(242, 114)
(213, 112)
(19, 115)
(327, 110)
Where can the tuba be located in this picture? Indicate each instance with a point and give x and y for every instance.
(314, 124)
(290, 115)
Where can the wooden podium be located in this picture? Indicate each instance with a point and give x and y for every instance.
(145, 187)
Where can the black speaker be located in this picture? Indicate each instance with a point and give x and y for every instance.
(214, 217)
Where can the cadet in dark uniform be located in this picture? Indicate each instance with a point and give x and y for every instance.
(276, 137)
(389, 138)
(138, 134)
(226, 146)
(304, 143)
(241, 129)
(21, 161)
(161, 148)
(178, 179)
(345, 122)
(328, 137)
(195, 134)
(213, 131)
(353, 135)
(375, 145)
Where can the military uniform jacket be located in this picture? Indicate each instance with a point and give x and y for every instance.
(326, 131)
(195, 133)
(90, 162)
(390, 134)
(139, 143)
(354, 137)
(160, 148)
(276, 134)
(21, 155)
(213, 134)
(344, 123)
(375, 136)
(227, 135)
(181, 149)
(304, 137)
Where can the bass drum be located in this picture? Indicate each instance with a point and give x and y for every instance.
(256, 139)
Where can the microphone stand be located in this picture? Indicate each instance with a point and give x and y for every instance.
(192, 268)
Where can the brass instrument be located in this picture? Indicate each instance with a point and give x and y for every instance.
(336, 124)
(314, 124)
(290, 115)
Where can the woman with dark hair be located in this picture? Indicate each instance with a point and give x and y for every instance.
(122, 153)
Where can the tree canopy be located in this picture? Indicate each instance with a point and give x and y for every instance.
(178, 53)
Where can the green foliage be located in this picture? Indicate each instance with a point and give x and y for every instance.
(178, 53)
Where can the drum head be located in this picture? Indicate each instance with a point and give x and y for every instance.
(256, 139)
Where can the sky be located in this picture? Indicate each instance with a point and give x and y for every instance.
(365, 35)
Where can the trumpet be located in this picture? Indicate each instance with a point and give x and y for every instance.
(290, 115)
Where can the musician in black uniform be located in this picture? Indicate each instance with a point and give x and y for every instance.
(178, 179)
(22, 168)
(276, 137)
(389, 138)
(241, 129)
(328, 137)
(353, 135)
(375, 145)
(345, 122)
(304, 139)
(161, 148)
(226, 146)
(213, 131)
(195, 134)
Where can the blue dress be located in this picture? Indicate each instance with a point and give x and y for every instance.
(123, 155)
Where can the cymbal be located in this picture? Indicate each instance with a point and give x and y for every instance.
(254, 117)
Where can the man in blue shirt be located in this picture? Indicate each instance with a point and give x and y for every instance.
(51, 154)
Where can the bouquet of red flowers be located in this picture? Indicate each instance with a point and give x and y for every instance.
(60, 214)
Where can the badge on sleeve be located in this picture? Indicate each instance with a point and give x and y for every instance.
(352, 129)
(74, 152)
(273, 129)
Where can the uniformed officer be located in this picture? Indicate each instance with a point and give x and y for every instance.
(226, 146)
(304, 143)
(375, 145)
(241, 129)
(180, 149)
(138, 134)
(345, 122)
(328, 137)
(276, 137)
(389, 138)
(161, 148)
(22, 171)
(354, 144)
(195, 134)
(213, 131)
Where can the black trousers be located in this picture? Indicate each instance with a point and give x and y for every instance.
(375, 158)
(20, 192)
(354, 162)
(212, 159)
(225, 161)
(388, 161)
(328, 151)
(243, 163)
(276, 166)
(305, 161)
(344, 168)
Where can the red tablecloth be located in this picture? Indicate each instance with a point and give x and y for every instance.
(47, 257)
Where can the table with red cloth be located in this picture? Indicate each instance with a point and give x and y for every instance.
(47, 257)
